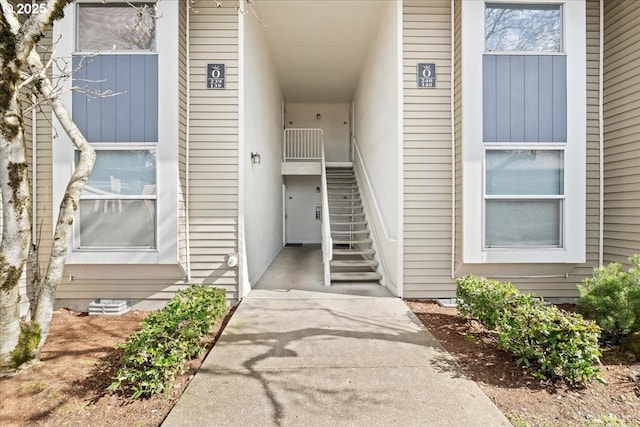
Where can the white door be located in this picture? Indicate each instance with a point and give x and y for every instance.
(303, 202)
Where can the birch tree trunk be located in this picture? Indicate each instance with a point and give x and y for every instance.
(87, 156)
(16, 45)
(16, 228)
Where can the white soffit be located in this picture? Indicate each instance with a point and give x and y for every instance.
(318, 47)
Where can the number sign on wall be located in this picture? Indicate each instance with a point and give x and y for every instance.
(426, 77)
(216, 77)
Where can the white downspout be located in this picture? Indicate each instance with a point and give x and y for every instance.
(244, 285)
(187, 148)
(601, 136)
(399, 273)
(453, 143)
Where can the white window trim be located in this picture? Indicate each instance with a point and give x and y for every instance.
(166, 150)
(574, 214)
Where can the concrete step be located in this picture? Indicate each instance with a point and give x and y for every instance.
(350, 201)
(354, 263)
(356, 277)
(349, 252)
(344, 215)
(343, 199)
(352, 241)
(348, 232)
(352, 192)
(343, 206)
(349, 223)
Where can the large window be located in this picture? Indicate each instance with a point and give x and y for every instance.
(117, 111)
(523, 28)
(524, 192)
(118, 206)
(523, 142)
(104, 27)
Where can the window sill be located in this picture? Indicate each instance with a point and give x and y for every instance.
(101, 272)
(111, 256)
(526, 256)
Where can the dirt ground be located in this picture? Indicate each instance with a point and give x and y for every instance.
(67, 387)
(528, 401)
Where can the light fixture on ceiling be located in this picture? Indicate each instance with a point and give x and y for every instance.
(255, 158)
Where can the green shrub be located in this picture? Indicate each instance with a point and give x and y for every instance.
(155, 354)
(555, 343)
(612, 298)
(484, 299)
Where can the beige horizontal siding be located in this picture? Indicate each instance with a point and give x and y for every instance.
(427, 152)
(213, 144)
(427, 161)
(622, 130)
(213, 165)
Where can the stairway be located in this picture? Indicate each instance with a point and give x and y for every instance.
(352, 253)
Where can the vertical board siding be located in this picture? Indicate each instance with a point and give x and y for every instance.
(213, 145)
(524, 98)
(427, 152)
(130, 111)
(622, 130)
(568, 287)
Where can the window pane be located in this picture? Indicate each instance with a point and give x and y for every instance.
(117, 223)
(535, 28)
(129, 172)
(121, 27)
(523, 223)
(525, 172)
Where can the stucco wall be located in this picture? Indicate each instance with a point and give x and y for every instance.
(332, 122)
(377, 103)
(262, 134)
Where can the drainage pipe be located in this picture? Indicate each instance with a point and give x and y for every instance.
(453, 142)
(601, 136)
(187, 148)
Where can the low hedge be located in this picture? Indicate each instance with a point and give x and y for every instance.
(167, 339)
(554, 342)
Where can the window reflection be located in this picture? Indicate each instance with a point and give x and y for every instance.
(122, 172)
(111, 27)
(536, 28)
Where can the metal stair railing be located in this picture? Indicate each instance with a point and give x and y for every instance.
(302, 144)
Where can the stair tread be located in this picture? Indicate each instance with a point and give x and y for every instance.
(345, 252)
(347, 232)
(348, 222)
(365, 276)
(350, 242)
(354, 263)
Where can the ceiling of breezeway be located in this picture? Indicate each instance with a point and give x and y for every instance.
(318, 47)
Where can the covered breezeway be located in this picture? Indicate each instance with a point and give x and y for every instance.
(333, 65)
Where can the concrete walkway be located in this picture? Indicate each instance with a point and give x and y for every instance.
(298, 354)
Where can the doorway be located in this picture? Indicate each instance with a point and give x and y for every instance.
(303, 217)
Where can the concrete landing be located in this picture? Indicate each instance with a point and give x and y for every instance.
(310, 357)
